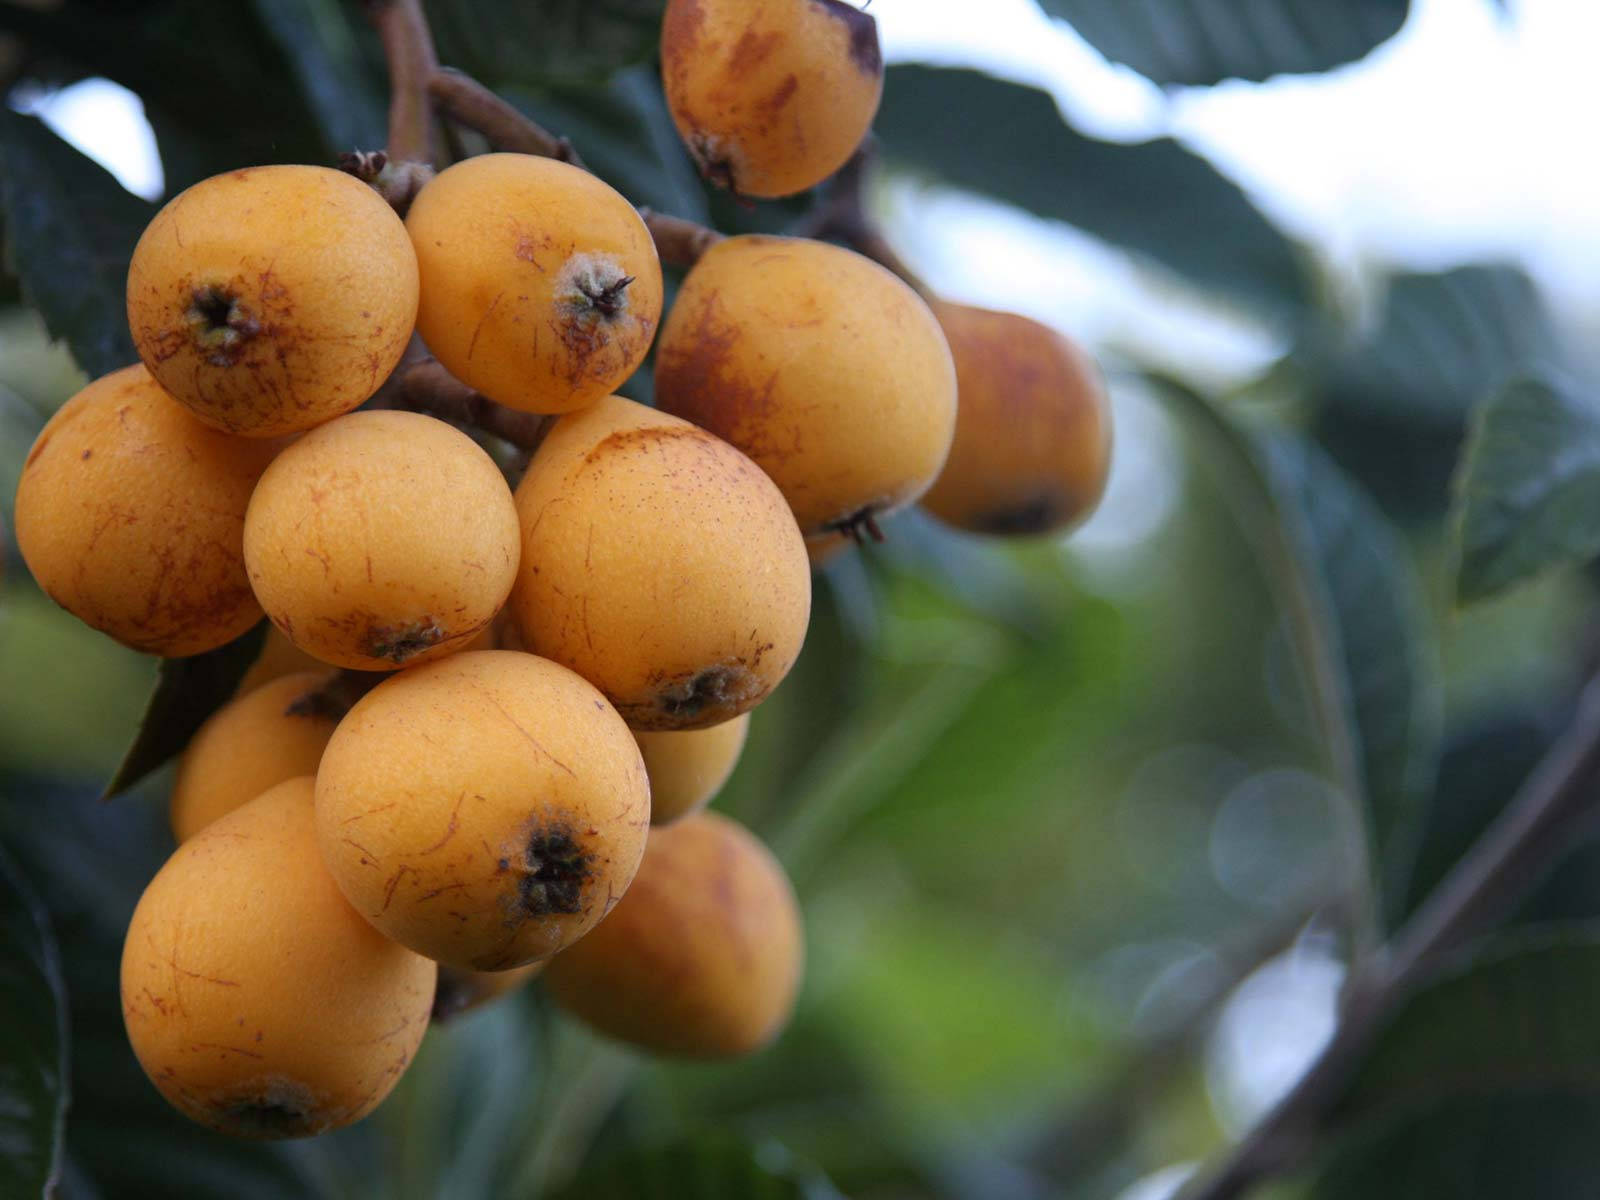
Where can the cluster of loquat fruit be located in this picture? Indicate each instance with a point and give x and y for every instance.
(567, 663)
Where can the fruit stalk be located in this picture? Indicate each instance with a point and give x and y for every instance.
(679, 242)
(428, 388)
(464, 100)
(408, 49)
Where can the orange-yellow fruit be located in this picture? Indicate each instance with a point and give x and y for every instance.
(279, 657)
(540, 283)
(130, 514)
(1033, 438)
(687, 768)
(661, 565)
(486, 810)
(382, 539)
(770, 96)
(462, 991)
(256, 999)
(250, 744)
(272, 299)
(703, 955)
(819, 364)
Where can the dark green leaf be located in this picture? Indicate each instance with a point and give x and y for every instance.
(559, 40)
(33, 1041)
(71, 230)
(1391, 677)
(1355, 619)
(1528, 487)
(1155, 198)
(1516, 1017)
(188, 690)
(623, 133)
(19, 426)
(320, 44)
(1201, 42)
(710, 1167)
(1533, 1147)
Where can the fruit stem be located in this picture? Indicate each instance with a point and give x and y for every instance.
(336, 695)
(679, 242)
(428, 388)
(464, 100)
(408, 49)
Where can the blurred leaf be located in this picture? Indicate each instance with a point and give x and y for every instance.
(19, 426)
(1355, 618)
(188, 690)
(1442, 343)
(320, 45)
(1484, 1149)
(711, 1166)
(1527, 488)
(559, 40)
(72, 228)
(1201, 42)
(1155, 198)
(1517, 1016)
(33, 1041)
(1391, 675)
(624, 134)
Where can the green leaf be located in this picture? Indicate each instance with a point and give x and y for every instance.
(33, 1041)
(1201, 42)
(1356, 621)
(1155, 198)
(319, 43)
(556, 41)
(1390, 672)
(71, 230)
(1486, 1149)
(1518, 1016)
(188, 690)
(712, 1166)
(1527, 488)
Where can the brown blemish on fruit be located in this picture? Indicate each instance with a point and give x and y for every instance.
(1038, 514)
(554, 870)
(865, 52)
(859, 525)
(715, 165)
(280, 1108)
(712, 690)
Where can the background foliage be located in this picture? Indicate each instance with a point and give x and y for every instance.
(1046, 813)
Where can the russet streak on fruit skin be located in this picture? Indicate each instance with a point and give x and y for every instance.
(130, 514)
(485, 810)
(824, 368)
(272, 299)
(659, 563)
(702, 957)
(242, 944)
(541, 286)
(770, 96)
(1032, 449)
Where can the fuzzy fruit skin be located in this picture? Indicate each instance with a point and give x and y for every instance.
(250, 744)
(486, 810)
(660, 564)
(517, 254)
(703, 956)
(130, 514)
(322, 284)
(770, 96)
(687, 768)
(463, 991)
(1033, 436)
(819, 364)
(382, 539)
(256, 999)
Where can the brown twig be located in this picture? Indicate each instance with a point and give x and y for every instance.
(679, 242)
(408, 49)
(336, 695)
(1558, 799)
(464, 99)
(428, 388)
(842, 217)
